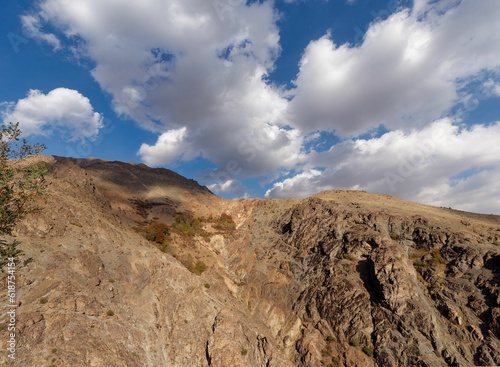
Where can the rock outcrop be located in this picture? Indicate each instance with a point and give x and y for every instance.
(338, 279)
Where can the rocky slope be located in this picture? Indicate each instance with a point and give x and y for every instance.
(338, 279)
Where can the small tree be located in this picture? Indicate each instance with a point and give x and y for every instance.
(20, 184)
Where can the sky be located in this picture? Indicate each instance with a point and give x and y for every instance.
(280, 98)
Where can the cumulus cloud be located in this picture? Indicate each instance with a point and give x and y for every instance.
(62, 109)
(410, 69)
(301, 185)
(168, 147)
(418, 165)
(231, 187)
(194, 64)
(196, 73)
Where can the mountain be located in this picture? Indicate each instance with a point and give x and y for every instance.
(126, 265)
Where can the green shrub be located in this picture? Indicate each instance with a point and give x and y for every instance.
(19, 186)
(437, 258)
(330, 338)
(225, 223)
(110, 313)
(368, 351)
(354, 343)
(434, 260)
(420, 265)
(44, 300)
(198, 268)
(244, 352)
(395, 236)
(187, 225)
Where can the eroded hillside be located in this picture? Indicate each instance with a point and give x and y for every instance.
(337, 279)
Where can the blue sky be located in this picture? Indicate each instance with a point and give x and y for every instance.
(267, 98)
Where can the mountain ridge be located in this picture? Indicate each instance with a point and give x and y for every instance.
(340, 278)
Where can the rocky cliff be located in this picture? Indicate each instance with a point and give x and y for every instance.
(338, 279)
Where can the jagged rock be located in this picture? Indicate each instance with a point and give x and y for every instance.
(342, 278)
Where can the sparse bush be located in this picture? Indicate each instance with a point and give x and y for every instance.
(368, 351)
(436, 258)
(19, 185)
(44, 300)
(207, 286)
(430, 260)
(187, 225)
(395, 236)
(110, 313)
(330, 338)
(157, 232)
(225, 223)
(420, 265)
(244, 352)
(354, 343)
(198, 268)
(349, 257)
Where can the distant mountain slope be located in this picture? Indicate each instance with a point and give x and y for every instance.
(343, 278)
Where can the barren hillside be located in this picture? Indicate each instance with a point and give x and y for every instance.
(126, 265)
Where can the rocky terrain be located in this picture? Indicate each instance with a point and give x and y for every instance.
(126, 265)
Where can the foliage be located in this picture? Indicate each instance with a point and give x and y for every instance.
(8, 250)
(368, 351)
(225, 223)
(157, 232)
(198, 268)
(395, 236)
(244, 351)
(330, 338)
(436, 258)
(19, 185)
(187, 225)
(431, 260)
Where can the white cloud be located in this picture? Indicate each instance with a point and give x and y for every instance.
(31, 25)
(169, 146)
(196, 74)
(194, 64)
(64, 110)
(410, 69)
(229, 187)
(417, 166)
(300, 185)
(491, 88)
